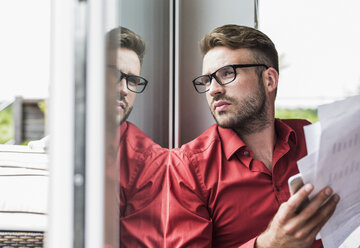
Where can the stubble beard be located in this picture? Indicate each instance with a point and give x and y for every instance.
(251, 114)
(127, 110)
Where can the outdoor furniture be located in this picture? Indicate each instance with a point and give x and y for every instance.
(24, 182)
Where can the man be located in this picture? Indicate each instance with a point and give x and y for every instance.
(141, 160)
(228, 187)
(125, 53)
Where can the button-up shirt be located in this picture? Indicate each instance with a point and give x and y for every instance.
(220, 196)
(143, 195)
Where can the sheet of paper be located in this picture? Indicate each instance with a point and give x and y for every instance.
(306, 167)
(339, 158)
(334, 161)
(353, 240)
(312, 137)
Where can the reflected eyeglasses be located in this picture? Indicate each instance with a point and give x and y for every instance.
(134, 83)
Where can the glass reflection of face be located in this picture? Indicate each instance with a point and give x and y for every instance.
(126, 61)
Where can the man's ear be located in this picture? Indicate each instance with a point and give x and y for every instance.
(271, 79)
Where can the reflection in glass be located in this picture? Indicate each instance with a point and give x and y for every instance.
(150, 20)
(142, 161)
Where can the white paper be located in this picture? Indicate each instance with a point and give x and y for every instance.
(312, 137)
(353, 240)
(306, 167)
(334, 160)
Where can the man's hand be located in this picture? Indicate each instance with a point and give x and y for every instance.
(291, 229)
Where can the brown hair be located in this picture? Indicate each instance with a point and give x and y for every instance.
(121, 37)
(235, 36)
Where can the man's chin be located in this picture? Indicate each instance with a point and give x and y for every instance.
(122, 117)
(224, 124)
(227, 120)
(223, 121)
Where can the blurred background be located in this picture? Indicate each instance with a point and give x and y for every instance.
(317, 42)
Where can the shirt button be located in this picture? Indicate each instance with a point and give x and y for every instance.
(246, 153)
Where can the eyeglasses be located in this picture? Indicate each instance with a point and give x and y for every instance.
(224, 75)
(134, 83)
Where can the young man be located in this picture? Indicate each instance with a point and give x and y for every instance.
(228, 187)
(142, 166)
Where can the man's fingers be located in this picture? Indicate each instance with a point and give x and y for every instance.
(288, 210)
(315, 204)
(322, 216)
(313, 211)
(295, 201)
(316, 229)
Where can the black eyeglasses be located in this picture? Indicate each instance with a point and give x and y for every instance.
(134, 83)
(224, 75)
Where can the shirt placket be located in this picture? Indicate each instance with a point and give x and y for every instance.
(280, 185)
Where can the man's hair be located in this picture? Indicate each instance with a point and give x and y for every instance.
(121, 37)
(235, 36)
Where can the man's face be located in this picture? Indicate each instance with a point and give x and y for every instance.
(242, 102)
(128, 62)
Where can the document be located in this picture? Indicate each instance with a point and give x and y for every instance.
(353, 240)
(334, 160)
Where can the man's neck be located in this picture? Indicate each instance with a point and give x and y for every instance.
(261, 143)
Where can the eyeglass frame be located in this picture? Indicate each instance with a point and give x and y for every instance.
(213, 75)
(127, 76)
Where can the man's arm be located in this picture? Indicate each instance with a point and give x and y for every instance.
(189, 222)
(143, 197)
(289, 229)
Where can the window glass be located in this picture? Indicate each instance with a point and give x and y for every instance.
(25, 56)
(317, 42)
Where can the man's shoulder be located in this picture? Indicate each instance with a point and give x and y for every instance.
(297, 134)
(205, 140)
(137, 139)
(193, 160)
(296, 124)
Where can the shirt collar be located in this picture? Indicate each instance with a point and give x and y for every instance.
(284, 132)
(231, 142)
(122, 129)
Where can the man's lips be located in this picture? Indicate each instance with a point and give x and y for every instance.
(221, 106)
(121, 105)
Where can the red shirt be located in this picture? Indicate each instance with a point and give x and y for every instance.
(143, 166)
(220, 196)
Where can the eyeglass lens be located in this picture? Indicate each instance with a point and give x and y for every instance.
(134, 83)
(224, 75)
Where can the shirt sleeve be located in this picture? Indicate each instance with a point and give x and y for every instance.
(189, 222)
(143, 198)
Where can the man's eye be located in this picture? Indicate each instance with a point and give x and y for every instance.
(226, 73)
(205, 81)
(133, 81)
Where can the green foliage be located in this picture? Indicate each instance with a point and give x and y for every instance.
(6, 125)
(307, 114)
(42, 106)
(7, 131)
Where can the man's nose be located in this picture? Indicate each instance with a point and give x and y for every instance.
(122, 87)
(216, 88)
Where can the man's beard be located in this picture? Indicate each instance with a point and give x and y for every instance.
(251, 114)
(127, 111)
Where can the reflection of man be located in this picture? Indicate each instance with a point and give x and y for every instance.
(124, 64)
(228, 184)
(141, 160)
